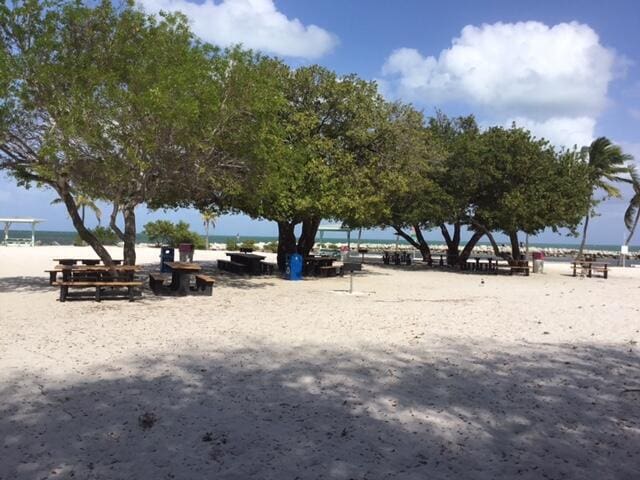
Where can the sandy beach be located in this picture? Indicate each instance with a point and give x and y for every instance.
(421, 373)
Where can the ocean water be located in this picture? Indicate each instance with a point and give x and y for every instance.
(46, 237)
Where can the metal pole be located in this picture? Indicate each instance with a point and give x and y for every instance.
(351, 282)
(33, 234)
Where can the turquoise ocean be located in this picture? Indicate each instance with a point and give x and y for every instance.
(45, 237)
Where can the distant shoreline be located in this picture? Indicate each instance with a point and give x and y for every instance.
(52, 237)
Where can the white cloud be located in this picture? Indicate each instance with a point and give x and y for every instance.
(553, 79)
(256, 24)
(567, 131)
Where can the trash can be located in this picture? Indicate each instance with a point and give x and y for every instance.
(186, 252)
(166, 255)
(538, 262)
(294, 267)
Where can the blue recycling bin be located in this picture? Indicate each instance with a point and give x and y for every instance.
(167, 254)
(294, 267)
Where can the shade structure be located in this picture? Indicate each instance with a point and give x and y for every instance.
(10, 221)
(335, 228)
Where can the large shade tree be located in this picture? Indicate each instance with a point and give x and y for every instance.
(324, 126)
(529, 185)
(118, 105)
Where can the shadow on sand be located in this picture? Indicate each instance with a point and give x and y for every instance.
(545, 412)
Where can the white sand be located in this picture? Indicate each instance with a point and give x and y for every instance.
(422, 374)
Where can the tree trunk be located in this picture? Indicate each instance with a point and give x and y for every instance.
(425, 251)
(453, 244)
(515, 246)
(308, 236)
(129, 250)
(584, 235)
(468, 248)
(206, 241)
(63, 191)
(633, 229)
(83, 213)
(286, 243)
(494, 244)
(112, 221)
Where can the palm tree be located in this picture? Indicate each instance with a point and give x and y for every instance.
(208, 218)
(607, 164)
(83, 202)
(632, 215)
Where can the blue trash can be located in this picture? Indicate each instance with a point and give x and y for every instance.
(167, 254)
(294, 267)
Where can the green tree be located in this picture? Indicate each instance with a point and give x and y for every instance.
(122, 106)
(607, 163)
(305, 175)
(529, 186)
(632, 214)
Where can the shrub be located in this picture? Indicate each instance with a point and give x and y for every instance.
(163, 232)
(248, 244)
(106, 236)
(271, 247)
(232, 245)
(160, 232)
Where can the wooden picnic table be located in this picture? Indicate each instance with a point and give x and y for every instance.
(84, 261)
(181, 273)
(313, 264)
(99, 277)
(251, 260)
(90, 271)
(590, 267)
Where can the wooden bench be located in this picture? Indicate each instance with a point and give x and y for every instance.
(329, 270)
(513, 267)
(267, 268)
(204, 284)
(64, 288)
(590, 268)
(233, 267)
(156, 282)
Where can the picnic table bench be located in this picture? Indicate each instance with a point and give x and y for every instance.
(590, 268)
(250, 260)
(513, 266)
(233, 267)
(99, 277)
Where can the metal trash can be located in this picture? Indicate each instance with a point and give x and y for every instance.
(294, 267)
(167, 254)
(186, 252)
(538, 262)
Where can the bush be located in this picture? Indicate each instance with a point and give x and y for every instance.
(271, 247)
(232, 245)
(163, 232)
(106, 236)
(160, 232)
(248, 244)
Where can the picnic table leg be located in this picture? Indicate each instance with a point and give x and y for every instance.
(63, 292)
(130, 292)
(589, 272)
(606, 272)
(183, 284)
(52, 277)
(575, 268)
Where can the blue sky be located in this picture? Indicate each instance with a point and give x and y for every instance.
(568, 70)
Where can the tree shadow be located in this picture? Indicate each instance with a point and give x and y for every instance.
(24, 284)
(266, 412)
